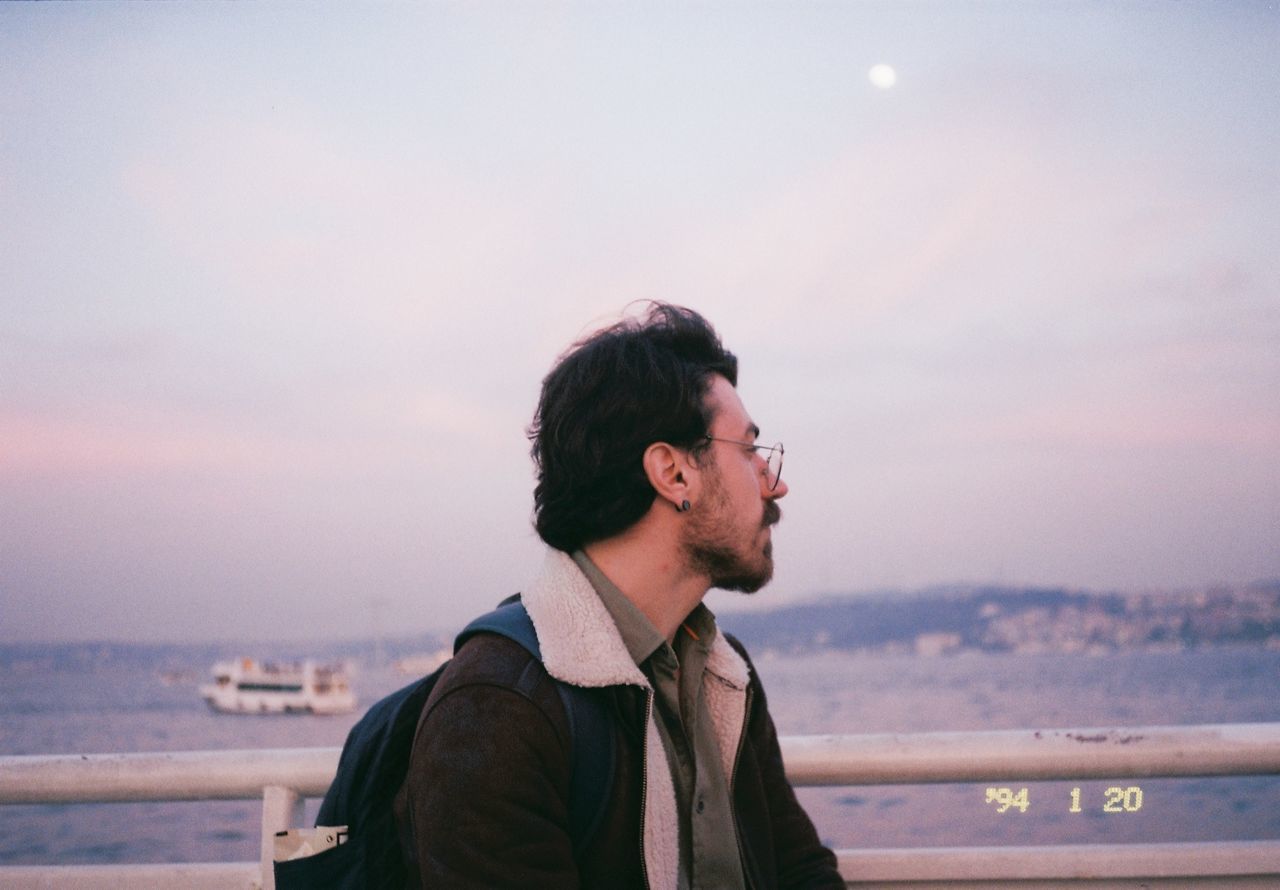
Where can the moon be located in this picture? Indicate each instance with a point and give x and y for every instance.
(882, 76)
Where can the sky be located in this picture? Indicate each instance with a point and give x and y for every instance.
(279, 283)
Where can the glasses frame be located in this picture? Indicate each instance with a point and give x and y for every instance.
(768, 460)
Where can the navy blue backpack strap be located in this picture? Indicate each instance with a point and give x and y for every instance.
(592, 756)
(370, 771)
(592, 759)
(375, 759)
(509, 620)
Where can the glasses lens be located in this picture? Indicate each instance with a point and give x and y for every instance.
(775, 466)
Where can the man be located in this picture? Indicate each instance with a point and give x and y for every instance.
(651, 490)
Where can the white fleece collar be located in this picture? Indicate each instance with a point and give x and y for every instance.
(581, 645)
(579, 641)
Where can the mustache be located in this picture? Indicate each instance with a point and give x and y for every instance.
(772, 514)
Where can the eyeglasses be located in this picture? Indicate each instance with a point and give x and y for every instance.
(772, 459)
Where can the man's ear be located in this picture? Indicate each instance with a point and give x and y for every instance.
(670, 473)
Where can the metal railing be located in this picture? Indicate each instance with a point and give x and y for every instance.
(282, 779)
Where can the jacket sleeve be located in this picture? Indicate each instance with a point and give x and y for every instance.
(800, 860)
(486, 796)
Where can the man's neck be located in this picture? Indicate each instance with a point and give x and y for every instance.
(653, 578)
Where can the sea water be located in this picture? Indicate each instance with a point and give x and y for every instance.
(840, 693)
(117, 709)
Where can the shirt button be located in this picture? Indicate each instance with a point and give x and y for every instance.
(701, 806)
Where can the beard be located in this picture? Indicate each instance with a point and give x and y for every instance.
(710, 549)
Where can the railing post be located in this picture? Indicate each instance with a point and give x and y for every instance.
(282, 808)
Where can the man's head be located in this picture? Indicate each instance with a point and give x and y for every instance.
(627, 398)
(726, 535)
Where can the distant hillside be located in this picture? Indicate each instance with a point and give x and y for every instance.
(199, 657)
(869, 623)
(937, 621)
(999, 619)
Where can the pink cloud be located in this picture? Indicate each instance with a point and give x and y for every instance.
(134, 442)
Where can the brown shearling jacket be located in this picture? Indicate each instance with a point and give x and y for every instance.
(485, 803)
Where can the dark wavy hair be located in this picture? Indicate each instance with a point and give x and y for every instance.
(611, 396)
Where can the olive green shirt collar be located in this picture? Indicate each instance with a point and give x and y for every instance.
(709, 853)
(638, 634)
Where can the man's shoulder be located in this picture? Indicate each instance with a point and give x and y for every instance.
(735, 643)
(490, 659)
(753, 677)
(737, 646)
(494, 680)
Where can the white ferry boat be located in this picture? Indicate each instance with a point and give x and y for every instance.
(246, 686)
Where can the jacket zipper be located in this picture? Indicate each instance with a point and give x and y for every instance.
(644, 782)
(733, 781)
